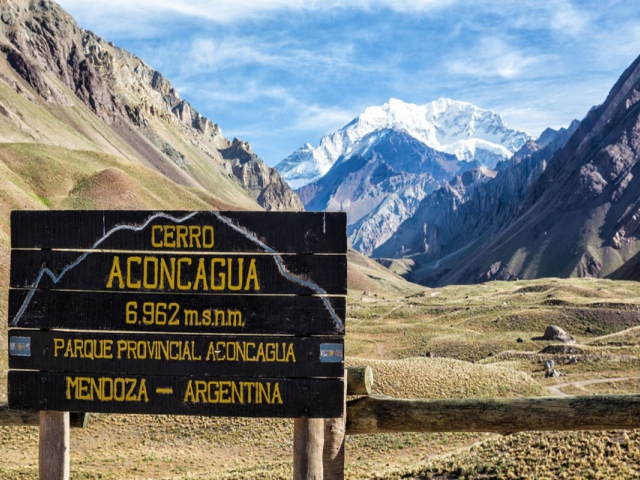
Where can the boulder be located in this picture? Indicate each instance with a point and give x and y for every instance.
(556, 334)
(550, 371)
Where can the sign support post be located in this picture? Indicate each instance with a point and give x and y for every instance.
(334, 436)
(308, 443)
(54, 446)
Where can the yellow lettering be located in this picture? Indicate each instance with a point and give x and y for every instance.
(122, 346)
(276, 394)
(291, 356)
(116, 272)
(186, 286)
(201, 391)
(219, 314)
(146, 276)
(194, 236)
(169, 230)
(83, 393)
(207, 236)
(230, 274)
(142, 393)
(201, 276)
(131, 397)
(154, 242)
(131, 260)
(58, 344)
(107, 349)
(214, 285)
(224, 392)
(234, 318)
(181, 236)
(252, 276)
(72, 383)
(211, 353)
(168, 274)
(188, 394)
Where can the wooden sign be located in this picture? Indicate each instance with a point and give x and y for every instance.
(206, 355)
(188, 302)
(179, 273)
(173, 313)
(282, 232)
(177, 395)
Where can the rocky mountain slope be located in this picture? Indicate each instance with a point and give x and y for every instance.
(380, 184)
(453, 127)
(453, 219)
(581, 217)
(64, 86)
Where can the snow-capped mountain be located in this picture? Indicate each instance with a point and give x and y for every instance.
(449, 126)
(380, 184)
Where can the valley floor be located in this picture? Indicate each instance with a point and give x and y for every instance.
(454, 342)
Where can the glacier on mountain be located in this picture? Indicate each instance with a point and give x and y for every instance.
(458, 128)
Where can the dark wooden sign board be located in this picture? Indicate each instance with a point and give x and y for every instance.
(204, 355)
(282, 232)
(179, 273)
(241, 314)
(203, 313)
(177, 395)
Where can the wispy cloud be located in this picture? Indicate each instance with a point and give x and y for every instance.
(568, 19)
(211, 54)
(232, 10)
(493, 57)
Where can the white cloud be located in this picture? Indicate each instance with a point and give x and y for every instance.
(568, 20)
(493, 57)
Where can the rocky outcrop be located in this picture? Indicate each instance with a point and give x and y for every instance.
(263, 183)
(62, 64)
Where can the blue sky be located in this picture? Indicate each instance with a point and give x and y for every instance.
(279, 73)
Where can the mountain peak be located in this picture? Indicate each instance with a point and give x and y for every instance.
(450, 126)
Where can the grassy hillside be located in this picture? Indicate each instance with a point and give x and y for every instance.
(27, 118)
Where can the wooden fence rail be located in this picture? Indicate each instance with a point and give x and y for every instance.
(379, 414)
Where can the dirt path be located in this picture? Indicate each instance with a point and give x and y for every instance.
(616, 334)
(557, 389)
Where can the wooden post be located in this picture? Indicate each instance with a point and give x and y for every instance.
(334, 434)
(54, 446)
(308, 441)
(359, 380)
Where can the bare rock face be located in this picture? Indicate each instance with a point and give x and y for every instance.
(557, 334)
(264, 184)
